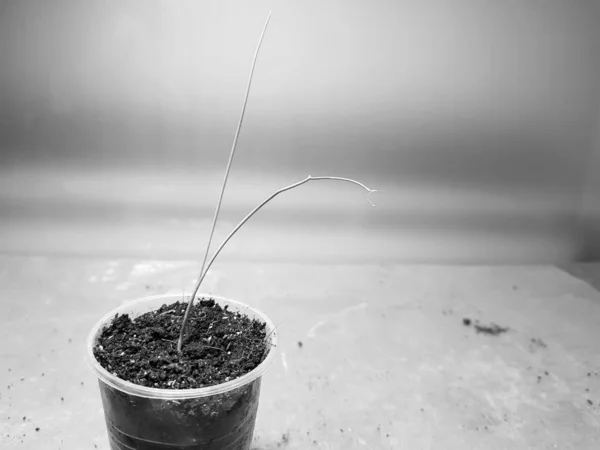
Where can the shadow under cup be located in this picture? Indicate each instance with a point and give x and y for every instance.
(220, 417)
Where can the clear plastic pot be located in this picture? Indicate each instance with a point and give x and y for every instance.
(220, 417)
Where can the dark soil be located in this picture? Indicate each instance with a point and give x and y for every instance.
(220, 345)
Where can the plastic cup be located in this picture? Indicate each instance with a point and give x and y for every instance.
(220, 417)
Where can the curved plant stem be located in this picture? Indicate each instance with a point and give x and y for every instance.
(212, 229)
(250, 214)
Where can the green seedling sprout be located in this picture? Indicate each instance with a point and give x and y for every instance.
(206, 267)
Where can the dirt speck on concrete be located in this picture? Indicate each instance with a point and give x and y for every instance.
(491, 329)
(285, 440)
(536, 344)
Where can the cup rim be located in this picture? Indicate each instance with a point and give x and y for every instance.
(174, 394)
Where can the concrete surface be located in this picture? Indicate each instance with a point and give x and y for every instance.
(385, 362)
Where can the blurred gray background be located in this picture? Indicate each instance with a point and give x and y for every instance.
(478, 121)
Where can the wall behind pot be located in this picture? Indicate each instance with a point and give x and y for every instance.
(476, 119)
